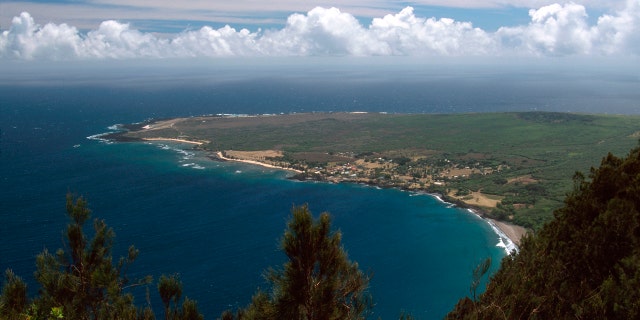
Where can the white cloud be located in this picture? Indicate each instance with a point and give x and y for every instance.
(207, 42)
(406, 34)
(86, 14)
(619, 32)
(563, 30)
(320, 32)
(555, 30)
(27, 40)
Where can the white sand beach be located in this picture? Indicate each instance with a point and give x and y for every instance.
(174, 140)
(257, 163)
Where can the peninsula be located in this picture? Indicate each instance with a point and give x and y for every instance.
(512, 167)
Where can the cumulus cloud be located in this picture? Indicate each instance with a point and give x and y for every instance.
(563, 30)
(556, 30)
(406, 34)
(27, 40)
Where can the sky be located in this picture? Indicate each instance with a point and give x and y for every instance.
(71, 30)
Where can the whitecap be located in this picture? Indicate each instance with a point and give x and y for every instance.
(99, 137)
(503, 240)
(439, 198)
(186, 155)
(475, 213)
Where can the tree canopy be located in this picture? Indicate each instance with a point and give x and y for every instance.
(318, 282)
(584, 264)
(82, 282)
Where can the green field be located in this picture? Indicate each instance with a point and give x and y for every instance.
(545, 149)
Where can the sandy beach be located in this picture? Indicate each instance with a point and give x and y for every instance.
(174, 140)
(253, 162)
(512, 231)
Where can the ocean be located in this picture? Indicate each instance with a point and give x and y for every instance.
(216, 224)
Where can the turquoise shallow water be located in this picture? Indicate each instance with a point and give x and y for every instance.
(216, 224)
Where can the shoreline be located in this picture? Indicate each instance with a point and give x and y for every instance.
(174, 140)
(505, 230)
(220, 156)
(514, 232)
(510, 232)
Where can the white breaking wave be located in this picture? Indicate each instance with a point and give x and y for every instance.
(193, 165)
(99, 137)
(437, 196)
(503, 240)
(186, 155)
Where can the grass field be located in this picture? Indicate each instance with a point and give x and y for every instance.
(536, 153)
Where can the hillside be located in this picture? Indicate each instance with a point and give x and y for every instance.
(585, 264)
(512, 166)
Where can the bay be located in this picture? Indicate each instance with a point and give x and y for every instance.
(216, 224)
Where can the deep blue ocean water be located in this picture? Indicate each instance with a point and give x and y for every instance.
(218, 224)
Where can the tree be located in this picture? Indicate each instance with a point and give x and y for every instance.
(13, 300)
(318, 282)
(478, 272)
(170, 289)
(584, 264)
(82, 282)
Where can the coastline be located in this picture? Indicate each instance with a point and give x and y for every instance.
(510, 234)
(514, 232)
(220, 156)
(506, 231)
(174, 140)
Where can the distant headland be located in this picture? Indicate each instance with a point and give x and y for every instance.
(514, 168)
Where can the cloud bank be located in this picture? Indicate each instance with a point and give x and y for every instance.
(554, 30)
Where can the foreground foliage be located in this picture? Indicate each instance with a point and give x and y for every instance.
(82, 282)
(318, 281)
(585, 264)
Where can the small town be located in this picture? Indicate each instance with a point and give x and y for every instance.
(416, 173)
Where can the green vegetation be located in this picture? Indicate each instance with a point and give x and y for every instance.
(318, 281)
(523, 159)
(82, 282)
(585, 264)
